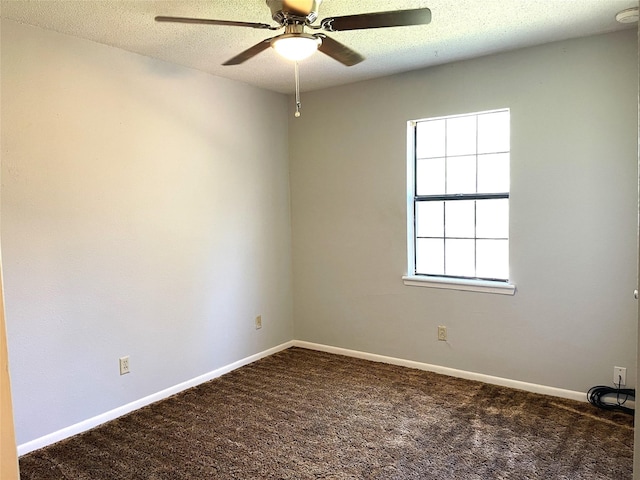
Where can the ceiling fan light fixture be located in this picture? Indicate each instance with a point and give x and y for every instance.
(296, 46)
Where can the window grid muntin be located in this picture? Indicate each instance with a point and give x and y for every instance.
(452, 197)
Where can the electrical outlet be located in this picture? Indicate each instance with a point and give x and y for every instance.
(620, 376)
(442, 333)
(258, 322)
(124, 365)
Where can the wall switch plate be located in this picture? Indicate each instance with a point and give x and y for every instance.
(620, 376)
(442, 333)
(124, 365)
(258, 322)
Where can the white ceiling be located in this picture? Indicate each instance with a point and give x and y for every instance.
(459, 29)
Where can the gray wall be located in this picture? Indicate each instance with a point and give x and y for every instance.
(145, 212)
(573, 216)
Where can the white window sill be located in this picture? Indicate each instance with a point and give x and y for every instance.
(484, 286)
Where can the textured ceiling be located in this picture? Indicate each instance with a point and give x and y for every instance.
(459, 29)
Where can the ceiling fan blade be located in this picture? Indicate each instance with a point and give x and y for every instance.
(298, 7)
(249, 53)
(339, 51)
(398, 18)
(206, 21)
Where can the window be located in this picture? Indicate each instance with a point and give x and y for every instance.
(458, 202)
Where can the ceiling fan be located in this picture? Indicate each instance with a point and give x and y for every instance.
(296, 44)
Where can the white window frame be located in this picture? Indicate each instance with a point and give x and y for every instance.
(431, 281)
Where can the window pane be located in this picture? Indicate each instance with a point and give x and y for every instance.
(430, 256)
(461, 174)
(492, 218)
(430, 176)
(492, 259)
(458, 157)
(430, 219)
(493, 173)
(460, 258)
(493, 132)
(461, 136)
(460, 218)
(430, 139)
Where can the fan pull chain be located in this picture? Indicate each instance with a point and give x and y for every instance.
(297, 114)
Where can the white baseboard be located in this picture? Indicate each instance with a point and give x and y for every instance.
(452, 372)
(129, 407)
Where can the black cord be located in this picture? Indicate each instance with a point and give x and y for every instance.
(596, 396)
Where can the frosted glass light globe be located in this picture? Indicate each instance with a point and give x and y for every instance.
(296, 46)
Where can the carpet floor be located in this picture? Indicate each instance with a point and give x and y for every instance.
(301, 414)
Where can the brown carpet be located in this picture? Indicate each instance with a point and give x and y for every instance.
(302, 414)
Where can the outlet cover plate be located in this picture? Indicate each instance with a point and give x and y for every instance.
(442, 333)
(124, 365)
(619, 376)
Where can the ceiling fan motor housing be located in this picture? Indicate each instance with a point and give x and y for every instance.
(283, 11)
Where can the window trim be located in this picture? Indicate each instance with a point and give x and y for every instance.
(432, 281)
(456, 283)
